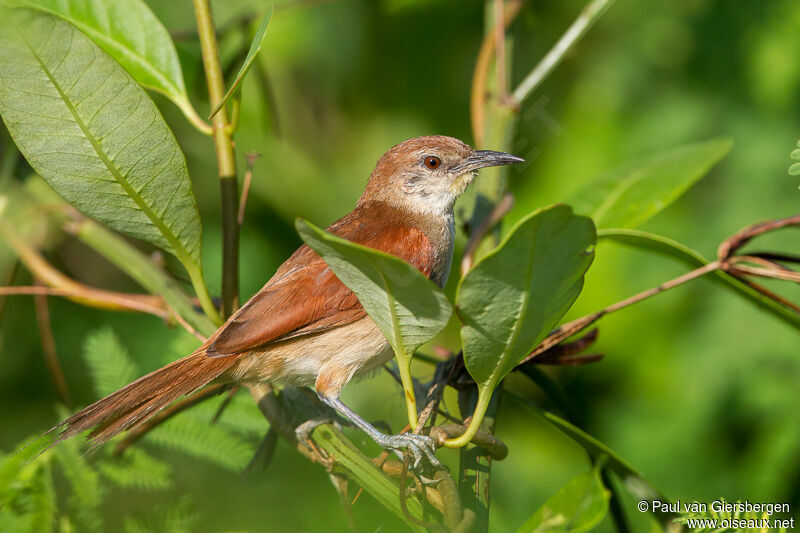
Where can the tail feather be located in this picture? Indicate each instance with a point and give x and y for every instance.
(138, 401)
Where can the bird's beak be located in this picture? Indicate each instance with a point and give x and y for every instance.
(487, 158)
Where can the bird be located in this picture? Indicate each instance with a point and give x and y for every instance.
(305, 327)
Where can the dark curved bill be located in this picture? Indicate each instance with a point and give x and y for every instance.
(487, 158)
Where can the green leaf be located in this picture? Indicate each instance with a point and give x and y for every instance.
(108, 361)
(130, 33)
(94, 135)
(255, 48)
(629, 196)
(684, 254)
(794, 170)
(578, 506)
(514, 296)
(408, 308)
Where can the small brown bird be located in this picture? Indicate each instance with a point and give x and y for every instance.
(305, 327)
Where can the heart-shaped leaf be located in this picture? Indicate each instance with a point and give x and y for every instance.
(408, 308)
(630, 195)
(130, 33)
(511, 299)
(95, 136)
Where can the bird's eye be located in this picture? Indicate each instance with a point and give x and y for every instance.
(433, 162)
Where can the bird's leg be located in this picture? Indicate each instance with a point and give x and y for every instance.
(418, 445)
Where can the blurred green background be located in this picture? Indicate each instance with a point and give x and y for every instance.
(698, 389)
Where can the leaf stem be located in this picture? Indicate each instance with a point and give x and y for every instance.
(589, 15)
(193, 117)
(404, 366)
(484, 396)
(226, 161)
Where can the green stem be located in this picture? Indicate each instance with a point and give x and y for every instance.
(404, 366)
(589, 15)
(484, 396)
(226, 161)
(139, 267)
(194, 119)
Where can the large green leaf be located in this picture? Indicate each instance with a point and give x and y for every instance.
(578, 506)
(670, 248)
(514, 296)
(630, 195)
(95, 136)
(407, 307)
(130, 33)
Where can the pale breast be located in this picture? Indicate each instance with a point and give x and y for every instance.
(326, 360)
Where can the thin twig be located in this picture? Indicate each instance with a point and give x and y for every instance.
(571, 328)
(251, 158)
(225, 403)
(404, 506)
(340, 484)
(732, 244)
(589, 15)
(49, 348)
(500, 49)
(771, 295)
(142, 429)
(99, 298)
(478, 92)
(488, 223)
(12, 273)
(773, 273)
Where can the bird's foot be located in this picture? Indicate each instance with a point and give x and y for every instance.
(418, 446)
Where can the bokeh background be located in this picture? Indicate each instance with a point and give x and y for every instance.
(698, 389)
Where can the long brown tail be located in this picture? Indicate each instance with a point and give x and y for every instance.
(138, 401)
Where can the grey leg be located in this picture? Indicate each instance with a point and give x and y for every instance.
(418, 445)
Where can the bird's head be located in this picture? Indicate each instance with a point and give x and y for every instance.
(427, 174)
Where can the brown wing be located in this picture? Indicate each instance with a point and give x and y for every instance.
(304, 296)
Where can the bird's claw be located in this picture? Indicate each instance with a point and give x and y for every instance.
(418, 446)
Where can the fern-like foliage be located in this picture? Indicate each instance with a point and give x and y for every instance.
(193, 434)
(108, 361)
(29, 501)
(136, 469)
(86, 492)
(176, 517)
(27, 494)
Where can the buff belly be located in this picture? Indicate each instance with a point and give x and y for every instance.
(326, 360)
